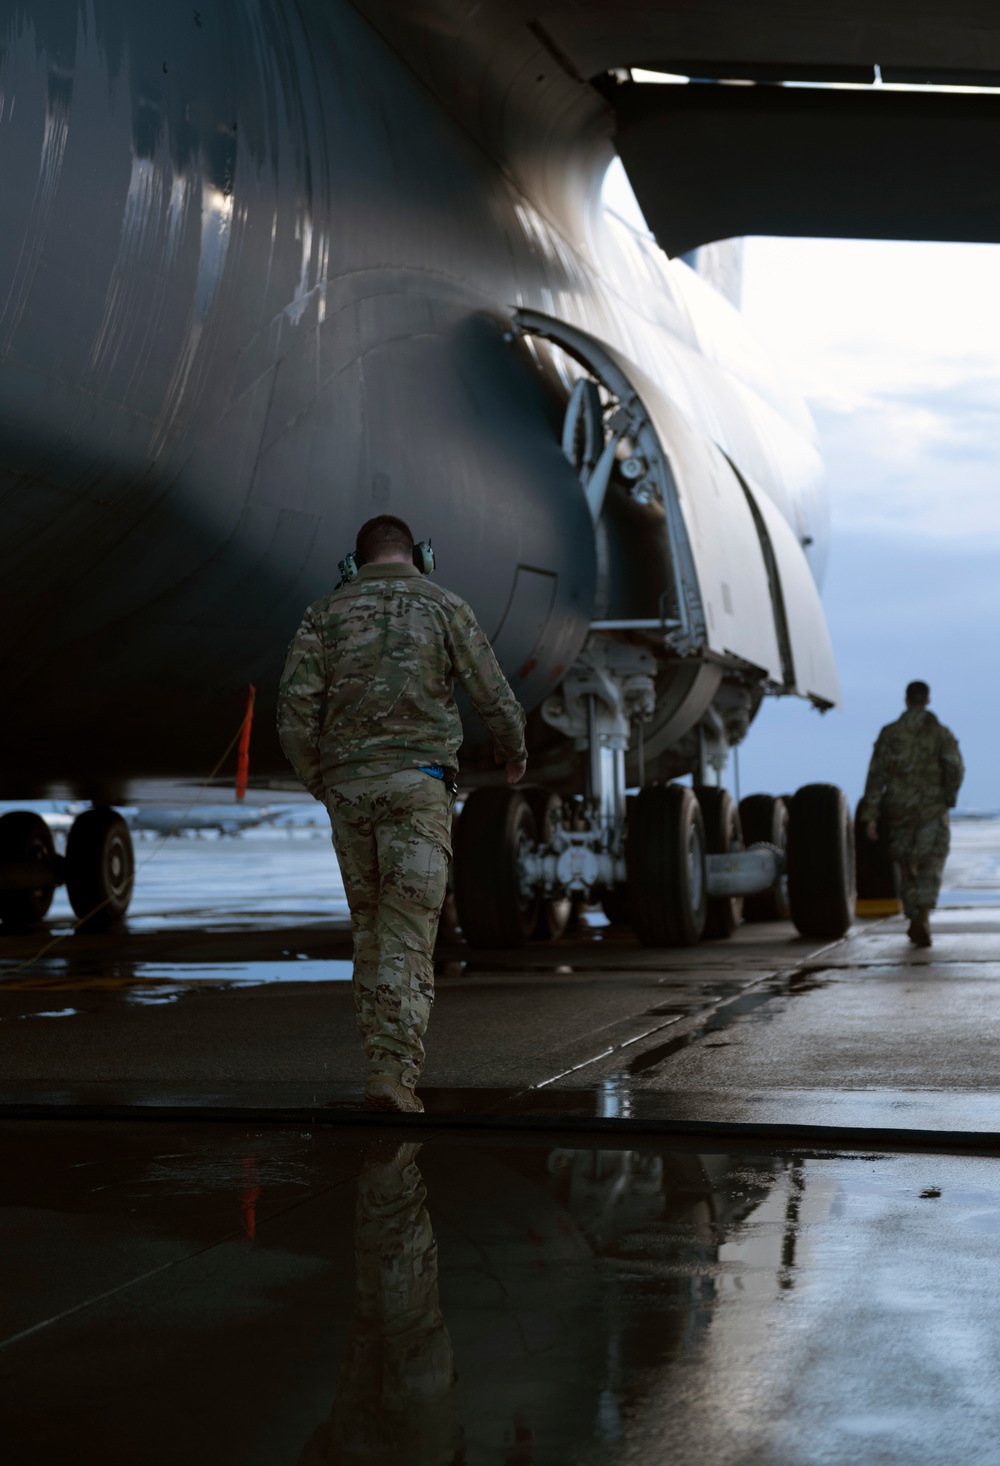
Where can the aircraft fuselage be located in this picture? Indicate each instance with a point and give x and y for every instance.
(257, 283)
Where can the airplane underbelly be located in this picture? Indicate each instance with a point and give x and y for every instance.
(257, 288)
(243, 307)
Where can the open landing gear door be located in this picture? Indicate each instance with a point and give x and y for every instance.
(814, 669)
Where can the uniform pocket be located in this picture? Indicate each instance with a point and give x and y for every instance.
(413, 830)
(431, 852)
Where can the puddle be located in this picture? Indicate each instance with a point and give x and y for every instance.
(592, 1302)
(149, 982)
(52, 1013)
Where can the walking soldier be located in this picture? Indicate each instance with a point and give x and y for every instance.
(368, 719)
(913, 780)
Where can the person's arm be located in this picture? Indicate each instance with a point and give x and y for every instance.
(478, 670)
(952, 767)
(875, 785)
(300, 704)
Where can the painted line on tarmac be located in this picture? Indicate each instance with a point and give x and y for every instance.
(699, 1016)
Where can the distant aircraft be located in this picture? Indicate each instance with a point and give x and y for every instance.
(264, 272)
(228, 819)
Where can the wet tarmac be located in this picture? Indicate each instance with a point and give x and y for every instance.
(207, 1293)
(766, 1030)
(737, 1204)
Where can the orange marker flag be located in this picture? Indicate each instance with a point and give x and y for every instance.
(243, 752)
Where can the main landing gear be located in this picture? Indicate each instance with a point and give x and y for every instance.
(675, 863)
(98, 868)
(676, 870)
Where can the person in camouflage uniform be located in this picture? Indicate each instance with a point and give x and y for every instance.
(913, 780)
(368, 719)
(395, 1399)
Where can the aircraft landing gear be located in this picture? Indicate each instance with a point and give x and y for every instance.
(670, 860)
(495, 830)
(764, 817)
(27, 854)
(723, 836)
(821, 872)
(665, 856)
(555, 913)
(98, 868)
(662, 877)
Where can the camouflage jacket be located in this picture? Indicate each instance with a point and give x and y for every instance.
(368, 685)
(916, 769)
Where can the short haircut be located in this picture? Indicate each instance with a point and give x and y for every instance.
(918, 694)
(384, 535)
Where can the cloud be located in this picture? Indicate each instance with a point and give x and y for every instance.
(897, 608)
(897, 349)
(919, 461)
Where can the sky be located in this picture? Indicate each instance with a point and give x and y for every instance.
(896, 348)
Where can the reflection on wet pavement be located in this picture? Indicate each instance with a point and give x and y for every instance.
(579, 1255)
(317, 1297)
(396, 1393)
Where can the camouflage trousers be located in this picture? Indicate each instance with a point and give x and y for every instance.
(919, 849)
(396, 1396)
(392, 835)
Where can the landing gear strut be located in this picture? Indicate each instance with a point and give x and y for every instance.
(723, 836)
(765, 818)
(554, 913)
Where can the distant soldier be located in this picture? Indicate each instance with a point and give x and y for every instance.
(914, 778)
(368, 719)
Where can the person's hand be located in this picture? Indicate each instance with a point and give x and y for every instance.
(871, 829)
(515, 771)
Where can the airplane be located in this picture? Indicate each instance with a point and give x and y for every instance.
(269, 269)
(227, 819)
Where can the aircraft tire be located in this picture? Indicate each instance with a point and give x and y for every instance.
(876, 872)
(493, 826)
(723, 834)
(100, 866)
(553, 916)
(24, 835)
(821, 861)
(665, 858)
(614, 903)
(764, 817)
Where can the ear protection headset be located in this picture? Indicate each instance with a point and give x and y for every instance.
(423, 559)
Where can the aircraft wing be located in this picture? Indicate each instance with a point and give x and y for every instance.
(710, 162)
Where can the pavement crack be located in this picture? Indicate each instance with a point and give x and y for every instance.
(714, 1017)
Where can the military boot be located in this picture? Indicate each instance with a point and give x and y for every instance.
(384, 1093)
(919, 931)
